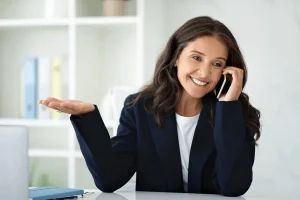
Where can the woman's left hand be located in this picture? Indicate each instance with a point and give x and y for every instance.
(236, 86)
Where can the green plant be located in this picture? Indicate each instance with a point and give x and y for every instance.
(40, 181)
(43, 180)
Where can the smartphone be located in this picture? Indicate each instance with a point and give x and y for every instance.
(223, 85)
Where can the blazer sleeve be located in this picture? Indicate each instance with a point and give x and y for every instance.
(112, 162)
(235, 148)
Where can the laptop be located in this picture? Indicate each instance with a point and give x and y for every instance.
(13, 162)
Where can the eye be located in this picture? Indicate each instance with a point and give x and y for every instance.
(217, 64)
(197, 58)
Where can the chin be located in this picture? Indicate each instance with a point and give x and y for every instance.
(196, 94)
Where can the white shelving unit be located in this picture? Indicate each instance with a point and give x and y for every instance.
(35, 123)
(102, 52)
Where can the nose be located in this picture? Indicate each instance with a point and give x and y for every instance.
(204, 71)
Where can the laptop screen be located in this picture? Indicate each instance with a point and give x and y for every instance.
(14, 162)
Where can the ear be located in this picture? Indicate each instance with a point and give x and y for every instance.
(176, 63)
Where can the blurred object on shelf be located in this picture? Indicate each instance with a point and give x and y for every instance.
(114, 7)
(119, 94)
(106, 106)
(56, 9)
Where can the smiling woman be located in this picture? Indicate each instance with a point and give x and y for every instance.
(201, 63)
(175, 134)
(197, 54)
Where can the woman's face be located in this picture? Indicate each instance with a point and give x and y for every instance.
(200, 65)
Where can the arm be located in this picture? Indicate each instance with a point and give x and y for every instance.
(235, 149)
(112, 162)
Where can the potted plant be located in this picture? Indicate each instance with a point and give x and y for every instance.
(114, 7)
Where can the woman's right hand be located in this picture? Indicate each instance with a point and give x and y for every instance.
(73, 107)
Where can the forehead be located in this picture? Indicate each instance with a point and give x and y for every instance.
(208, 45)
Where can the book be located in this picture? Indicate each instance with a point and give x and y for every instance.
(44, 86)
(43, 193)
(56, 82)
(30, 87)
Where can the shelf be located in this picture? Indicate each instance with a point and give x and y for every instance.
(106, 20)
(32, 22)
(44, 123)
(48, 153)
(78, 154)
(35, 122)
(53, 153)
(65, 22)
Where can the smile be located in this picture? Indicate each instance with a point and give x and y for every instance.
(200, 83)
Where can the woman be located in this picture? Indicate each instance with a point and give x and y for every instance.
(175, 134)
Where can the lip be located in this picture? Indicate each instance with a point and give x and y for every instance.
(200, 80)
(199, 85)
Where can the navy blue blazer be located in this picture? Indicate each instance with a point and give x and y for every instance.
(221, 157)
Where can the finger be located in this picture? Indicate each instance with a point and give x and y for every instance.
(54, 105)
(230, 71)
(233, 73)
(66, 110)
(232, 67)
(237, 78)
(47, 101)
(241, 71)
(70, 105)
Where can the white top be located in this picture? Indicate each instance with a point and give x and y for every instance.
(186, 128)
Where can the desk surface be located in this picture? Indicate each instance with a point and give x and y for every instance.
(175, 196)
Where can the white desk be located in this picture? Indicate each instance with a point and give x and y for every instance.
(177, 196)
(256, 192)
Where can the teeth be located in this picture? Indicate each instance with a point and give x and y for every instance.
(198, 82)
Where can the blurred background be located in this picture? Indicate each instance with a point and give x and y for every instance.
(100, 51)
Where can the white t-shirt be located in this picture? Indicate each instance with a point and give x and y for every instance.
(186, 128)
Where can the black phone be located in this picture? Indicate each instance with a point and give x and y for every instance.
(223, 85)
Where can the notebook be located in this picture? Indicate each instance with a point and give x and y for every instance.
(43, 193)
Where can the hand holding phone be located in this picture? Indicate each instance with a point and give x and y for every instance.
(233, 85)
(223, 85)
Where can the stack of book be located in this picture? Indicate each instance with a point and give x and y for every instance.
(42, 77)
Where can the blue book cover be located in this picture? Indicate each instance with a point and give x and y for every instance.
(53, 193)
(30, 87)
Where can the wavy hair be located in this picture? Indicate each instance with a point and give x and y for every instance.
(165, 88)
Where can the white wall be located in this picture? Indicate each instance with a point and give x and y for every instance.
(268, 33)
(154, 32)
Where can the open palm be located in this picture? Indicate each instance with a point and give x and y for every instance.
(73, 107)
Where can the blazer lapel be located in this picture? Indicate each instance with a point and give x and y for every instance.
(167, 147)
(202, 147)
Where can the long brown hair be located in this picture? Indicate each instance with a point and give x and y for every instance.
(165, 88)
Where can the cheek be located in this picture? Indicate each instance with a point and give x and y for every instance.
(182, 72)
(216, 76)
(186, 69)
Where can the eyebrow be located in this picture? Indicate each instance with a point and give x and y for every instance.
(195, 51)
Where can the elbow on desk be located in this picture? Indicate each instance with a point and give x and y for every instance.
(236, 190)
(107, 187)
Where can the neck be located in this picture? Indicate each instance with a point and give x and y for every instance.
(188, 106)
